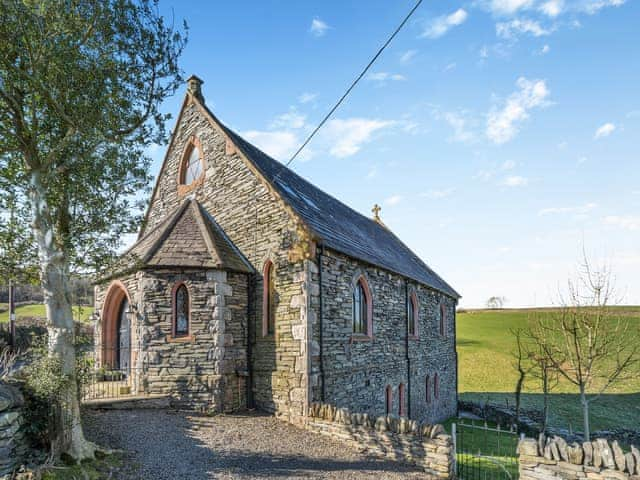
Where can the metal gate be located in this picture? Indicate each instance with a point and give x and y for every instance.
(485, 453)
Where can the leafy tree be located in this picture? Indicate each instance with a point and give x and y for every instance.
(496, 302)
(81, 82)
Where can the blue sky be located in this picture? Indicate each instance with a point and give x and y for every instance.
(499, 136)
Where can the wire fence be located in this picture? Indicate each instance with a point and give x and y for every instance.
(110, 373)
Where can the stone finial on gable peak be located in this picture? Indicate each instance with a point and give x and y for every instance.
(194, 87)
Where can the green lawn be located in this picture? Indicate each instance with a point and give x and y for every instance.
(80, 313)
(487, 372)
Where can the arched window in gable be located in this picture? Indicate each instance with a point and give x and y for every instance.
(412, 315)
(388, 399)
(268, 299)
(362, 308)
(181, 313)
(191, 171)
(401, 400)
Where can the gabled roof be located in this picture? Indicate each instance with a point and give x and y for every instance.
(338, 226)
(189, 237)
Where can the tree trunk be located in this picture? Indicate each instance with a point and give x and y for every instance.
(545, 392)
(585, 414)
(519, 393)
(67, 434)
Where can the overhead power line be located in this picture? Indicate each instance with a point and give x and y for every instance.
(355, 82)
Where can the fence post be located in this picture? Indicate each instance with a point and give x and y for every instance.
(454, 437)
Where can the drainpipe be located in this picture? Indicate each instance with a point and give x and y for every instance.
(455, 352)
(250, 320)
(406, 339)
(320, 323)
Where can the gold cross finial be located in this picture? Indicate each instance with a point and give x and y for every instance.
(376, 212)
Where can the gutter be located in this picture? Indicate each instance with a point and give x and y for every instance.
(406, 339)
(250, 321)
(321, 323)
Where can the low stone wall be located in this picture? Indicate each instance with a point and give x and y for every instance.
(401, 439)
(552, 458)
(13, 443)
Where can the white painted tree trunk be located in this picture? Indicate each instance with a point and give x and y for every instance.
(54, 269)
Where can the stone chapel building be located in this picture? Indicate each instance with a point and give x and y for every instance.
(250, 287)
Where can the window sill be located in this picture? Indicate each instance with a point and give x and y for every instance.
(358, 337)
(181, 339)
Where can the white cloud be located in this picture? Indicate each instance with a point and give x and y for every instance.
(438, 194)
(382, 77)
(307, 97)
(552, 8)
(626, 222)
(577, 210)
(594, 6)
(441, 25)
(373, 171)
(503, 123)
(513, 28)
(484, 52)
(407, 56)
(508, 7)
(515, 181)
(450, 66)
(318, 28)
(544, 50)
(290, 120)
(279, 144)
(508, 165)
(346, 136)
(604, 130)
(393, 200)
(460, 125)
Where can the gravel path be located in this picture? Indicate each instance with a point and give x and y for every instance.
(178, 445)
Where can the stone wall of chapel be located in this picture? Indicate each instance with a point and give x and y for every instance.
(356, 371)
(260, 225)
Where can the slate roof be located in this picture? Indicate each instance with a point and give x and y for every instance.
(188, 237)
(338, 226)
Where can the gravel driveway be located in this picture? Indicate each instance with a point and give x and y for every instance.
(187, 446)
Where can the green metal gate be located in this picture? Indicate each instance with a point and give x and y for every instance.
(485, 453)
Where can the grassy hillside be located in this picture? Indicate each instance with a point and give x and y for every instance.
(80, 313)
(487, 372)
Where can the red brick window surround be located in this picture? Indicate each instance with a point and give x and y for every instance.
(413, 315)
(191, 170)
(362, 313)
(388, 399)
(401, 400)
(181, 324)
(268, 299)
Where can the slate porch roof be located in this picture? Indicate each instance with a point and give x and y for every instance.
(188, 237)
(338, 226)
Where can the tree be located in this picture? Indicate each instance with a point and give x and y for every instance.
(496, 302)
(521, 357)
(587, 342)
(545, 372)
(81, 82)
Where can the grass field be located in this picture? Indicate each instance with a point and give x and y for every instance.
(80, 313)
(487, 372)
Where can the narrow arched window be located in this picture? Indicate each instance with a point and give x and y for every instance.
(412, 315)
(401, 400)
(388, 399)
(268, 299)
(361, 315)
(192, 167)
(426, 389)
(436, 386)
(442, 319)
(181, 312)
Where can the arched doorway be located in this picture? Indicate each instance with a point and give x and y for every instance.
(116, 329)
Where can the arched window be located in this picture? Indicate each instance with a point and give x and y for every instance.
(181, 311)
(268, 299)
(442, 318)
(192, 167)
(412, 315)
(362, 308)
(388, 399)
(426, 389)
(436, 386)
(401, 400)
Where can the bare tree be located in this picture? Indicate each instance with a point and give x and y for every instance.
(521, 357)
(496, 302)
(588, 343)
(543, 370)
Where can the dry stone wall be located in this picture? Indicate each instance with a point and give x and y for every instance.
(13, 443)
(408, 441)
(357, 371)
(550, 458)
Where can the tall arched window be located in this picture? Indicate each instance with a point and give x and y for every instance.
(412, 315)
(436, 386)
(181, 311)
(362, 308)
(191, 169)
(268, 299)
(442, 318)
(426, 389)
(388, 399)
(401, 400)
